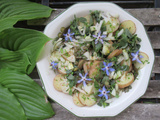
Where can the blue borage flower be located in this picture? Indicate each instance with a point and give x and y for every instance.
(54, 65)
(99, 37)
(103, 92)
(136, 56)
(68, 35)
(84, 79)
(107, 68)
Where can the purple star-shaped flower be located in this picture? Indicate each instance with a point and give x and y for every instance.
(54, 65)
(68, 35)
(107, 68)
(99, 37)
(136, 56)
(103, 92)
(83, 79)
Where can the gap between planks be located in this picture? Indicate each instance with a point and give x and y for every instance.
(136, 111)
(148, 16)
(153, 90)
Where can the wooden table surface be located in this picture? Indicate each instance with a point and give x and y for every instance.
(148, 106)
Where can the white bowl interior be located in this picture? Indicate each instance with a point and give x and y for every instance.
(47, 75)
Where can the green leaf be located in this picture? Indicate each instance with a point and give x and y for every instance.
(124, 68)
(70, 77)
(18, 10)
(98, 46)
(10, 108)
(13, 60)
(82, 19)
(29, 94)
(19, 48)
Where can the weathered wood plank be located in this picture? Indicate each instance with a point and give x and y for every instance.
(134, 112)
(148, 16)
(155, 39)
(153, 90)
(156, 67)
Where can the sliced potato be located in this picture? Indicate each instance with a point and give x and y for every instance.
(88, 100)
(55, 56)
(63, 66)
(91, 100)
(130, 25)
(144, 61)
(129, 63)
(115, 53)
(70, 58)
(61, 69)
(80, 64)
(95, 69)
(65, 86)
(76, 100)
(57, 82)
(87, 66)
(82, 98)
(126, 81)
(112, 25)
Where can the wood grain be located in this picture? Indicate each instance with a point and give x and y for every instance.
(153, 90)
(156, 66)
(155, 39)
(149, 16)
(134, 112)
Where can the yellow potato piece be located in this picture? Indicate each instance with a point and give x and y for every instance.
(87, 100)
(130, 25)
(63, 66)
(95, 69)
(82, 98)
(76, 100)
(70, 58)
(115, 53)
(112, 25)
(144, 61)
(80, 64)
(91, 100)
(57, 82)
(86, 66)
(65, 86)
(126, 81)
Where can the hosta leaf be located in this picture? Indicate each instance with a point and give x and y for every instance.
(12, 11)
(10, 108)
(19, 48)
(13, 60)
(29, 94)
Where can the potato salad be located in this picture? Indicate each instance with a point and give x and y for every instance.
(96, 58)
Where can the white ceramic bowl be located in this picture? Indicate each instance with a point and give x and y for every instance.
(47, 75)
